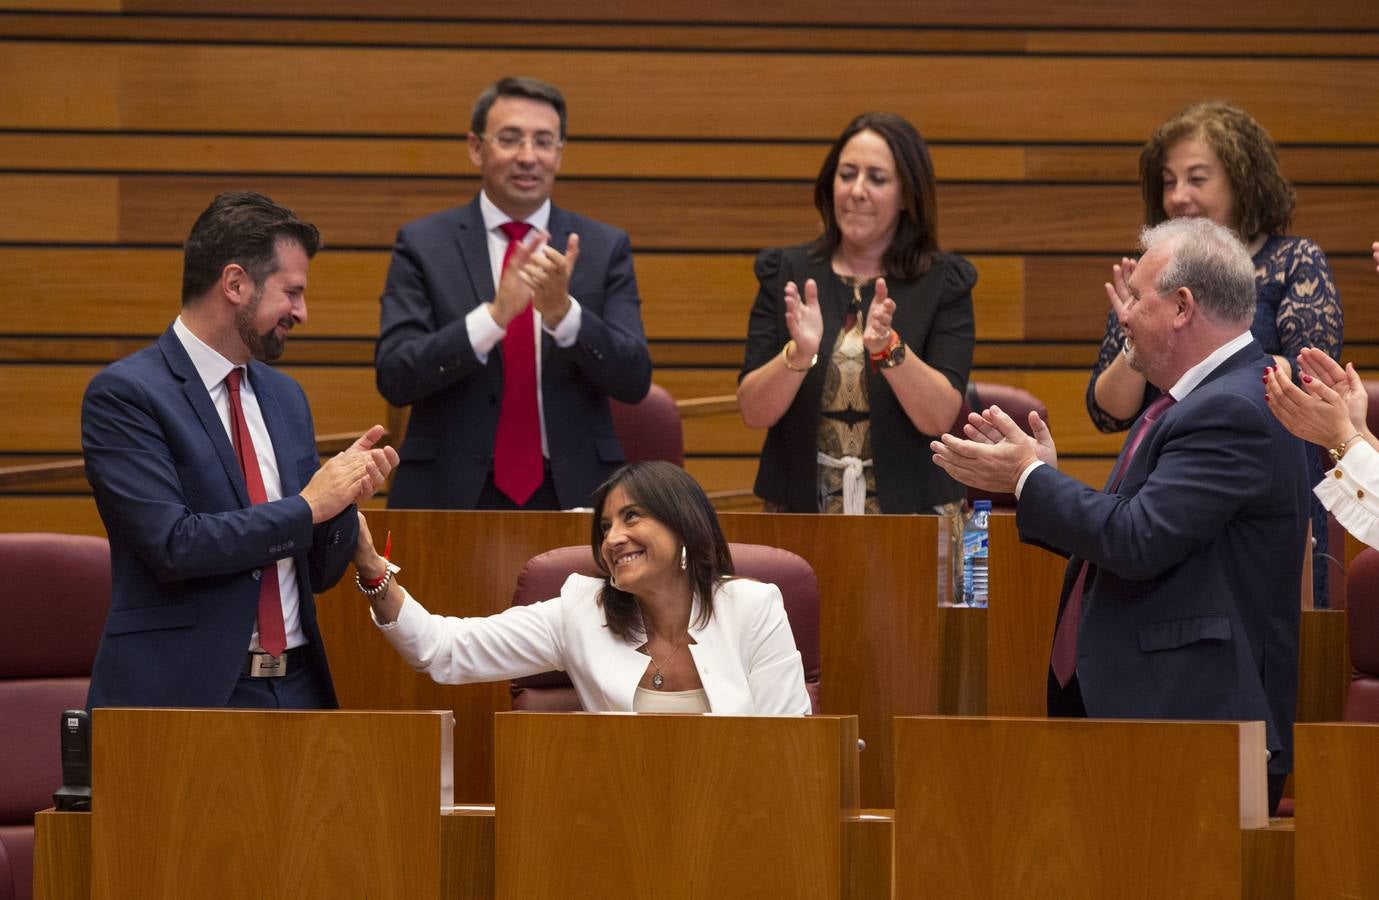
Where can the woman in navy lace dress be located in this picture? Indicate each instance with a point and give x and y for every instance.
(1213, 160)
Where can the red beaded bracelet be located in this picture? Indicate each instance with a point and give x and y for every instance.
(387, 555)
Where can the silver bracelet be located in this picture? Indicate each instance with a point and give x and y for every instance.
(378, 590)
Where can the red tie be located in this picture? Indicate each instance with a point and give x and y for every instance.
(1064, 658)
(517, 469)
(272, 635)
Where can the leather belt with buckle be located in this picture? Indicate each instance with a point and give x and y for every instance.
(266, 665)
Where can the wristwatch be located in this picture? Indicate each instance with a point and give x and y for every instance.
(892, 356)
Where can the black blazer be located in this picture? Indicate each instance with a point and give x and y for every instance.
(933, 314)
(440, 271)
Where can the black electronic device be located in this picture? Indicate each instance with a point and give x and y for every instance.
(75, 736)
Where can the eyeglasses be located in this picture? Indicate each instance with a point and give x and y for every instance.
(544, 143)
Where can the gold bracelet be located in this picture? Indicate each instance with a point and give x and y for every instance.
(1338, 452)
(785, 358)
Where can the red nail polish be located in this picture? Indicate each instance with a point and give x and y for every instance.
(1307, 379)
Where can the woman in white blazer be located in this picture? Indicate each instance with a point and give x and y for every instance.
(669, 629)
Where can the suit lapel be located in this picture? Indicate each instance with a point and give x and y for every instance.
(200, 401)
(278, 431)
(473, 241)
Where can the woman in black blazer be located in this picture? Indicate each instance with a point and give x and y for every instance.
(860, 342)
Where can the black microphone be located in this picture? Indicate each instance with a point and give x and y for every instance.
(75, 737)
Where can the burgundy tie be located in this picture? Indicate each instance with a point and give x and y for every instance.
(1064, 659)
(517, 469)
(272, 635)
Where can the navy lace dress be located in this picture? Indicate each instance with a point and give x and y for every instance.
(1299, 307)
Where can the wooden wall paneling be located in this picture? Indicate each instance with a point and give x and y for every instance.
(44, 208)
(1063, 392)
(1278, 14)
(986, 218)
(63, 515)
(57, 85)
(223, 88)
(685, 296)
(342, 399)
(455, 32)
(725, 473)
(445, 154)
(102, 291)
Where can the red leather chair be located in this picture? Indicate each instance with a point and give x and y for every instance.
(1362, 621)
(542, 576)
(50, 623)
(650, 429)
(1017, 402)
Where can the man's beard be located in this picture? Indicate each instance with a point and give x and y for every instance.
(263, 347)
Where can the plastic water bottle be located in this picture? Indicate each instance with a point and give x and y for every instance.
(974, 551)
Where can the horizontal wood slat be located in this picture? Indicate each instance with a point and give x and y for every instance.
(664, 36)
(354, 212)
(47, 399)
(1267, 14)
(792, 96)
(691, 298)
(688, 159)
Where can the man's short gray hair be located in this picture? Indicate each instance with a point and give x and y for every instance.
(1209, 261)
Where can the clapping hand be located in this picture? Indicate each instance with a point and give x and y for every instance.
(876, 337)
(995, 451)
(803, 320)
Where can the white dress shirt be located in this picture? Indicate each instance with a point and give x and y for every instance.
(212, 367)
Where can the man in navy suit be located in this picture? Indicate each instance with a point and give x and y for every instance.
(1181, 596)
(509, 387)
(213, 562)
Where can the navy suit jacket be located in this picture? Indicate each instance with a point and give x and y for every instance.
(186, 545)
(1190, 609)
(439, 272)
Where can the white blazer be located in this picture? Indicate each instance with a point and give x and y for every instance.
(745, 655)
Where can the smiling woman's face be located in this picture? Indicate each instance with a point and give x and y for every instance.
(639, 550)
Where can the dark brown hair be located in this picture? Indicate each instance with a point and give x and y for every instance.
(669, 495)
(240, 227)
(516, 86)
(912, 249)
(1261, 198)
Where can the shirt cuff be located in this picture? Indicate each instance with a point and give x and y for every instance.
(568, 329)
(484, 333)
(1351, 492)
(1020, 483)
